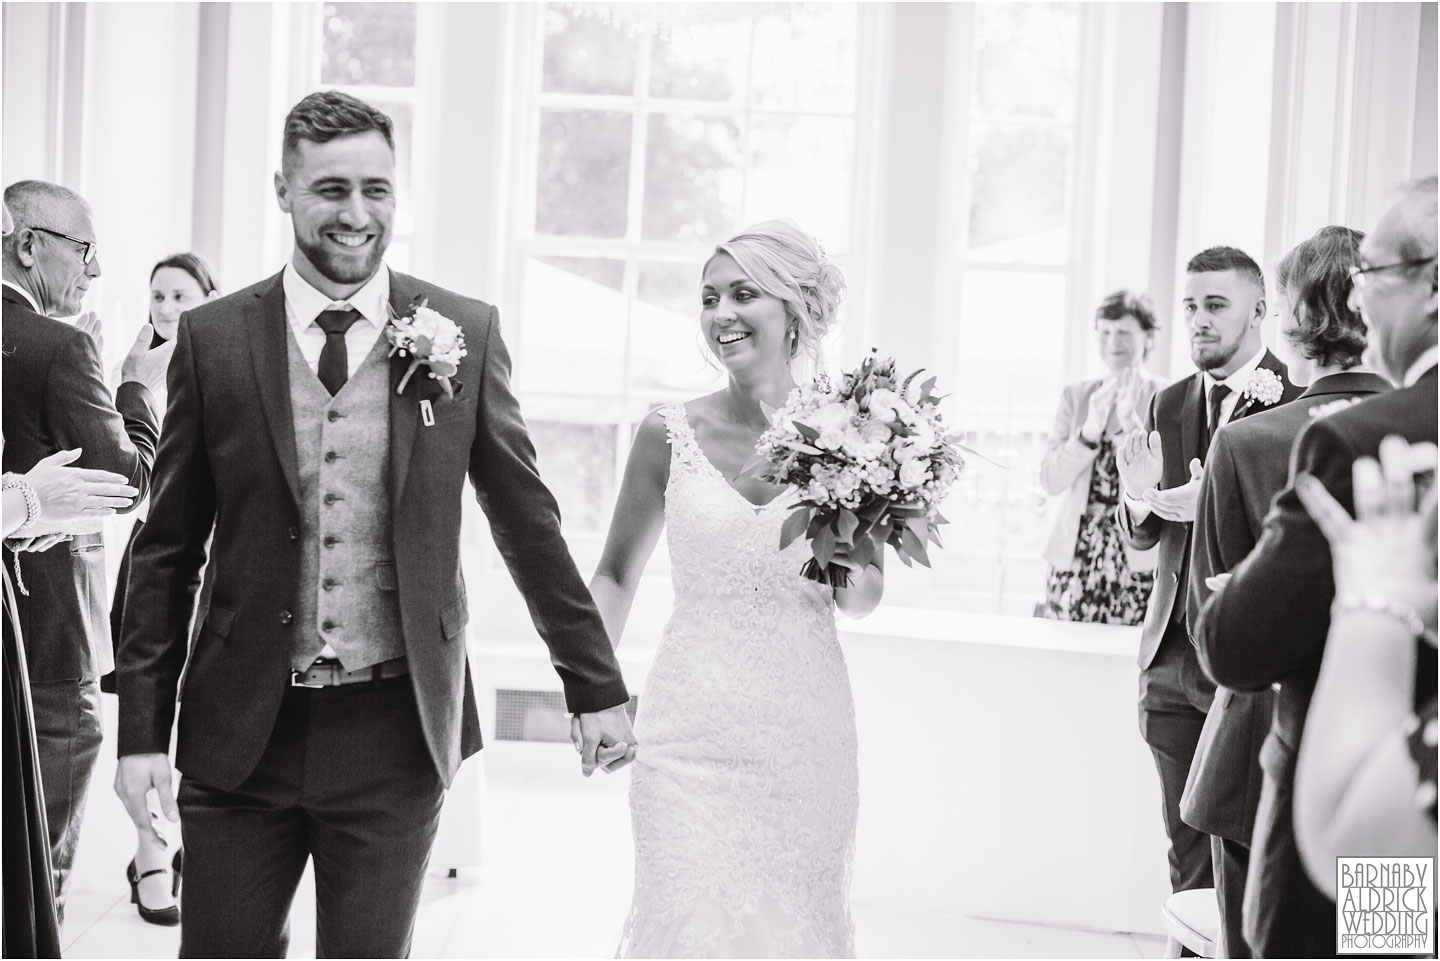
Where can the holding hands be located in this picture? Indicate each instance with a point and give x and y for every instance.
(1386, 554)
(604, 739)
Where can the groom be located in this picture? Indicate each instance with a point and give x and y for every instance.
(328, 702)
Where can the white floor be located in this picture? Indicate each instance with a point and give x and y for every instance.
(550, 886)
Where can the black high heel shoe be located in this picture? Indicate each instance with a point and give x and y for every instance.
(177, 864)
(165, 916)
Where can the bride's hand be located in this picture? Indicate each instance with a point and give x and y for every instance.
(867, 584)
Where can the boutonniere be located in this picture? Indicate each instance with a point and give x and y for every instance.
(1325, 410)
(429, 339)
(1265, 387)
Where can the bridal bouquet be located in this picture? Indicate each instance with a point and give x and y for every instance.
(871, 460)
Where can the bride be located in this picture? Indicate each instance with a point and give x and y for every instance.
(744, 794)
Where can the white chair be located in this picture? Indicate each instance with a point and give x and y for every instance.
(1193, 920)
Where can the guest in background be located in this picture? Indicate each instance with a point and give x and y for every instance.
(1365, 780)
(177, 283)
(1161, 467)
(1094, 575)
(1283, 591)
(1321, 340)
(55, 399)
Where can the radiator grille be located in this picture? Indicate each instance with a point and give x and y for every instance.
(535, 715)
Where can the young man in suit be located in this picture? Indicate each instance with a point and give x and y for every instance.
(1161, 467)
(55, 398)
(1283, 591)
(328, 702)
(1321, 339)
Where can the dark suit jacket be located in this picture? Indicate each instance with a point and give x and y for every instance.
(1249, 464)
(55, 398)
(227, 459)
(1179, 413)
(1269, 625)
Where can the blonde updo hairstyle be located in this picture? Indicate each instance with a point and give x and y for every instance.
(788, 264)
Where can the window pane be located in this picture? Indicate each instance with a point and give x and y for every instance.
(1012, 333)
(369, 43)
(402, 115)
(701, 62)
(577, 462)
(805, 57)
(585, 53)
(1026, 59)
(666, 350)
(692, 178)
(574, 332)
(584, 171)
(1017, 200)
(800, 168)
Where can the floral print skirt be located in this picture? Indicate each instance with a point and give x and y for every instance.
(1100, 587)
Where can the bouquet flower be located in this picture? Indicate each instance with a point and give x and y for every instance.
(871, 460)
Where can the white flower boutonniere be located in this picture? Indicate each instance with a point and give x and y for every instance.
(1325, 410)
(1265, 387)
(431, 340)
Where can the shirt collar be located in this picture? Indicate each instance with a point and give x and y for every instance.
(1240, 379)
(24, 293)
(306, 303)
(1422, 366)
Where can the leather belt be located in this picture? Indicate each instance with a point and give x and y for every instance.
(331, 673)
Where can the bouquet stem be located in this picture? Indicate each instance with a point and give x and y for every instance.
(835, 576)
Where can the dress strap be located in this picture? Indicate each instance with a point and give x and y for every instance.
(684, 448)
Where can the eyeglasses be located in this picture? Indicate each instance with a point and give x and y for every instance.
(1358, 274)
(90, 247)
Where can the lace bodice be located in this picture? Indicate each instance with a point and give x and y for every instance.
(744, 794)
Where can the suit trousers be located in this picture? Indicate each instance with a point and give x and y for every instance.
(1175, 695)
(1232, 861)
(68, 733)
(346, 779)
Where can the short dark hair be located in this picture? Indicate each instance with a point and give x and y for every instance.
(1316, 274)
(1129, 303)
(1216, 259)
(326, 114)
(194, 265)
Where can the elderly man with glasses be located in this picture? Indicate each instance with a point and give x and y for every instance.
(55, 398)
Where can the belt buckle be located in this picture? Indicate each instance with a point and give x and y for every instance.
(296, 682)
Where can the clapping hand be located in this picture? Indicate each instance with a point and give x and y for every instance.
(1178, 503)
(604, 739)
(1388, 549)
(1140, 462)
(1127, 398)
(144, 364)
(1097, 416)
(89, 322)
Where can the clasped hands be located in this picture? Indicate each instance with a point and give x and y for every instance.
(1117, 394)
(604, 739)
(1142, 465)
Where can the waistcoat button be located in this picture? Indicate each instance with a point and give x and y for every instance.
(286, 617)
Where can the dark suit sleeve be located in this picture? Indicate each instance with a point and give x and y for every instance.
(1282, 591)
(116, 435)
(525, 522)
(1146, 534)
(1221, 539)
(165, 566)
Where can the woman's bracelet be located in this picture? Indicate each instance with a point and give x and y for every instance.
(1374, 602)
(32, 499)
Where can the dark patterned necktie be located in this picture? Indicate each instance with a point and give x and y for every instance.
(1218, 393)
(334, 367)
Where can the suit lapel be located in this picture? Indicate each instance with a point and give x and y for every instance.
(404, 408)
(1192, 420)
(268, 333)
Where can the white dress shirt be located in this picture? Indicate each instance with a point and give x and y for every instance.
(303, 303)
(1421, 367)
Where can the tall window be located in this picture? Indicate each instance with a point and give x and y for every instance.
(368, 50)
(1014, 266)
(650, 134)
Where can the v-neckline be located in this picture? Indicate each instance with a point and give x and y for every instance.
(756, 509)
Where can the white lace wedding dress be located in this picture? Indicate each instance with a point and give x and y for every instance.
(744, 793)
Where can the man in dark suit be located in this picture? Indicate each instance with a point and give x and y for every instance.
(1268, 624)
(1321, 338)
(328, 701)
(1161, 467)
(55, 398)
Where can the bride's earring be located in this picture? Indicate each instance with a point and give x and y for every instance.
(794, 340)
